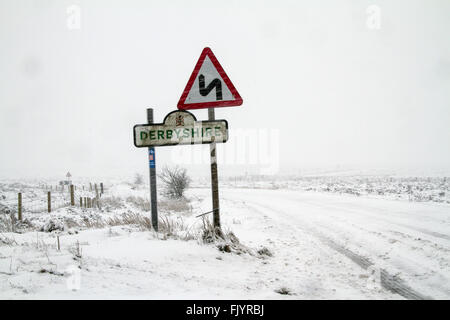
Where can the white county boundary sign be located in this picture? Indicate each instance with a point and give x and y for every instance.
(180, 128)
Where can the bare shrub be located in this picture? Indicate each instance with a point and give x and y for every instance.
(175, 181)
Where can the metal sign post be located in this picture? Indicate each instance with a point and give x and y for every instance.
(214, 176)
(152, 169)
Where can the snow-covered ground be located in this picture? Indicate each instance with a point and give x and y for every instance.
(294, 244)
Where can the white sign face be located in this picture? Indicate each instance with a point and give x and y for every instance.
(206, 88)
(179, 128)
(209, 86)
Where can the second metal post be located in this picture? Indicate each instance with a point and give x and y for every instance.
(214, 177)
(152, 168)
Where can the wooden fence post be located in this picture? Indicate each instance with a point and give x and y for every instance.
(72, 197)
(49, 202)
(81, 202)
(101, 188)
(19, 206)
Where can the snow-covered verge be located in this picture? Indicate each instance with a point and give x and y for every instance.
(116, 262)
(280, 244)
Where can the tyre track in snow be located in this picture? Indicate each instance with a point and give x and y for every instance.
(388, 281)
(375, 217)
(430, 233)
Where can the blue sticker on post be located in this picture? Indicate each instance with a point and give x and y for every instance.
(151, 157)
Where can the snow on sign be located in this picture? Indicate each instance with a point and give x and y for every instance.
(178, 128)
(209, 86)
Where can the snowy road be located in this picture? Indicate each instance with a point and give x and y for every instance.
(405, 244)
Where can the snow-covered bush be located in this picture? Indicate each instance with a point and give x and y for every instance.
(53, 225)
(224, 241)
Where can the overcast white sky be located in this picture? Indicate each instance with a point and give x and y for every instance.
(338, 92)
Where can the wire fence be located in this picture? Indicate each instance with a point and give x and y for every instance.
(47, 198)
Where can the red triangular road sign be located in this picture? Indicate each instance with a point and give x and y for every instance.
(209, 86)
